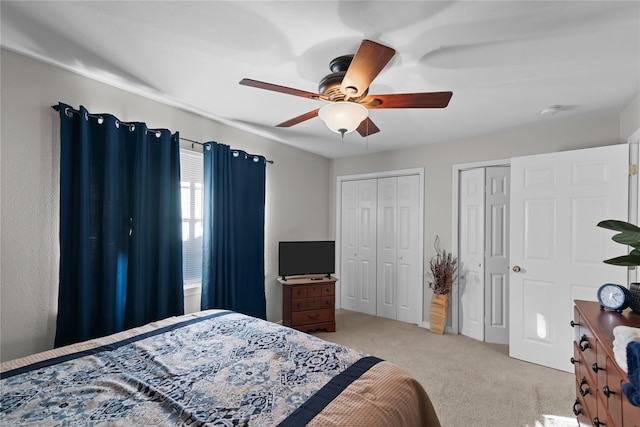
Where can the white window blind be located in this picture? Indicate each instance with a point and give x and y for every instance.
(191, 177)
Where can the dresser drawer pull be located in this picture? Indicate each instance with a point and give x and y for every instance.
(597, 422)
(607, 391)
(584, 343)
(577, 411)
(596, 368)
(584, 391)
(573, 360)
(314, 317)
(574, 324)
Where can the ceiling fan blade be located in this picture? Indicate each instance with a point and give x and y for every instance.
(367, 63)
(299, 119)
(408, 100)
(281, 89)
(367, 127)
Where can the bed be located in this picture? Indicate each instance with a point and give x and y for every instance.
(211, 368)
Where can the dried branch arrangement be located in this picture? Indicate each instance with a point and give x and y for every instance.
(443, 268)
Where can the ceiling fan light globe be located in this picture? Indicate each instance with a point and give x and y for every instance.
(343, 117)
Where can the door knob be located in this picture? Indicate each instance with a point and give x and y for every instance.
(516, 268)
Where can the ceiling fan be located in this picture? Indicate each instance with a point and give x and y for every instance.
(346, 90)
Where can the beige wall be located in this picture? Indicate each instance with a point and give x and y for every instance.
(630, 119)
(553, 134)
(29, 181)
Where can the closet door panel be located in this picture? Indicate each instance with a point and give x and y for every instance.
(409, 278)
(387, 242)
(367, 244)
(349, 246)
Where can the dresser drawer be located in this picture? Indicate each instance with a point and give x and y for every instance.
(587, 348)
(586, 392)
(298, 292)
(313, 316)
(312, 303)
(328, 290)
(581, 411)
(311, 291)
(299, 304)
(611, 389)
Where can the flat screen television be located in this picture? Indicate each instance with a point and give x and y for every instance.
(306, 258)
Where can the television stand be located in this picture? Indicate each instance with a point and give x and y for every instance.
(308, 303)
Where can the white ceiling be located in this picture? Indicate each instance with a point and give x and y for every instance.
(505, 61)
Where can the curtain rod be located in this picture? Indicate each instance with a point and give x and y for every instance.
(57, 108)
(200, 143)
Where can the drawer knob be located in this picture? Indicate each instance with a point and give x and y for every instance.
(607, 391)
(577, 411)
(597, 422)
(573, 360)
(596, 368)
(584, 343)
(584, 391)
(573, 324)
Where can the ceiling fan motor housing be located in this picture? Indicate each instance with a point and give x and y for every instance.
(330, 84)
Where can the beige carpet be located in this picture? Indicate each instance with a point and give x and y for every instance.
(471, 383)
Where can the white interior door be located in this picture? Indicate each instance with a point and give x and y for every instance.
(496, 261)
(556, 201)
(471, 253)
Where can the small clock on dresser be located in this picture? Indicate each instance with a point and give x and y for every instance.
(614, 297)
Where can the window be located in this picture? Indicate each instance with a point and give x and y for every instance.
(191, 177)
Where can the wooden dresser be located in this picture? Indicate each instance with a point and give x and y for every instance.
(599, 398)
(309, 304)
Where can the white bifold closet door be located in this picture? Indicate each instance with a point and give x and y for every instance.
(484, 254)
(358, 246)
(380, 261)
(398, 242)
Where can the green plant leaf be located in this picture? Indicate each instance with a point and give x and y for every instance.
(628, 238)
(615, 225)
(632, 259)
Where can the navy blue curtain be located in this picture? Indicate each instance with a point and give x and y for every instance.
(233, 244)
(120, 226)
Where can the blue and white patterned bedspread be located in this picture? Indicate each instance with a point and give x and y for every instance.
(223, 369)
